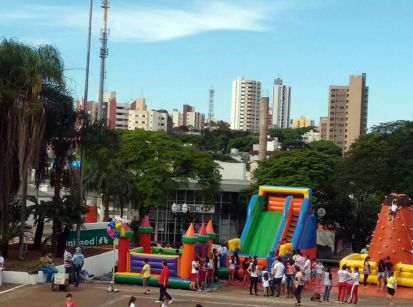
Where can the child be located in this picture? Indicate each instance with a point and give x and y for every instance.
(391, 287)
(70, 302)
(342, 284)
(319, 268)
(349, 284)
(355, 276)
(231, 268)
(132, 301)
(328, 283)
(393, 211)
(266, 283)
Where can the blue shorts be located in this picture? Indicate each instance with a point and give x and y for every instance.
(380, 275)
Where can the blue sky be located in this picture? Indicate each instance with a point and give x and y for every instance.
(172, 51)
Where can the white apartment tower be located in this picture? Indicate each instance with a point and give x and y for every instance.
(245, 105)
(281, 105)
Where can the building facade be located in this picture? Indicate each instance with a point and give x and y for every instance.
(302, 122)
(323, 128)
(281, 105)
(311, 136)
(245, 104)
(188, 118)
(139, 117)
(347, 111)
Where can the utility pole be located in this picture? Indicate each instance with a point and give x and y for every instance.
(103, 55)
(211, 105)
(85, 98)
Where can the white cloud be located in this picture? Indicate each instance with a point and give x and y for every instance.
(150, 23)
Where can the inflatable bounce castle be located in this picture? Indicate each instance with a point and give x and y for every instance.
(130, 262)
(392, 237)
(279, 220)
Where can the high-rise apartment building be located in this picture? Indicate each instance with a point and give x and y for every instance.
(281, 99)
(302, 122)
(323, 128)
(245, 105)
(347, 111)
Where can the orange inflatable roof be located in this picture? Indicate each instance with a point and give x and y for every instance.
(209, 227)
(190, 232)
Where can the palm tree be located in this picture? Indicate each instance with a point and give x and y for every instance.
(27, 71)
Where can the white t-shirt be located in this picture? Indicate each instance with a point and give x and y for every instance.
(342, 275)
(327, 280)
(194, 266)
(253, 273)
(307, 266)
(132, 305)
(265, 283)
(231, 265)
(319, 268)
(355, 276)
(279, 270)
(1, 263)
(393, 208)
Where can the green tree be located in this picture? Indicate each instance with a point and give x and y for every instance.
(161, 164)
(26, 71)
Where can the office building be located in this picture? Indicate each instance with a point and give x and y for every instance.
(281, 105)
(347, 111)
(302, 122)
(245, 104)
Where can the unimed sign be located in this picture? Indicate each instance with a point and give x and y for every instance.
(91, 234)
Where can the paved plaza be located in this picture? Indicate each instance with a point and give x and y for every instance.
(94, 294)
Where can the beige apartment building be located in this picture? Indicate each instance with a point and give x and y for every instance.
(245, 105)
(347, 111)
(323, 127)
(139, 117)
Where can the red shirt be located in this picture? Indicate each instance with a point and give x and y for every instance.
(163, 278)
(71, 303)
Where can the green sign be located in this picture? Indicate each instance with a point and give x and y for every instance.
(90, 237)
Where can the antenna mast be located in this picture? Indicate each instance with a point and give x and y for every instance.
(211, 105)
(103, 55)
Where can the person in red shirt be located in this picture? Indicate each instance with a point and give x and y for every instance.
(70, 302)
(163, 283)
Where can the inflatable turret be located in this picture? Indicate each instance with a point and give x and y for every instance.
(203, 238)
(189, 241)
(211, 236)
(145, 231)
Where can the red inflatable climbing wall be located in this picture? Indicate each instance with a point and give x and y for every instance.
(394, 239)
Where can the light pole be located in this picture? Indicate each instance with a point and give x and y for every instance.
(176, 210)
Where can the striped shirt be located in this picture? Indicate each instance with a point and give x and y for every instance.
(67, 259)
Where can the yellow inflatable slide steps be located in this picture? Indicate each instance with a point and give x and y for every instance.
(402, 272)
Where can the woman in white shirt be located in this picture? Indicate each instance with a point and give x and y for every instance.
(253, 271)
(328, 283)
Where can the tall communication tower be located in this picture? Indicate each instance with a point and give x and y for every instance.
(211, 105)
(103, 55)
